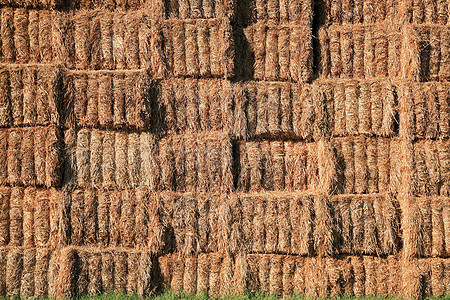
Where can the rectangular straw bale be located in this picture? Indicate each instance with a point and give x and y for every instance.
(92, 104)
(83, 157)
(16, 217)
(14, 156)
(346, 42)
(95, 159)
(90, 218)
(7, 33)
(14, 269)
(77, 217)
(95, 272)
(5, 194)
(27, 286)
(360, 161)
(133, 272)
(41, 272)
(444, 66)
(107, 271)
(190, 275)
(5, 110)
(370, 243)
(284, 227)
(108, 159)
(444, 161)
(121, 159)
(4, 137)
(120, 271)
(15, 77)
(259, 242)
(179, 154)
(276, 275)
(103, 214)
(167, 164)
(437, 237)
(119, 108)
(446, 221)
(28, 175)
(127, 219)
(42, 217)
(55, 208)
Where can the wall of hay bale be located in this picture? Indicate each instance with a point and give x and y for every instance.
(224, 147)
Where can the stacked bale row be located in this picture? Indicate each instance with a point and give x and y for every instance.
(193, 223)
(187, 162)
(114, 41)
(133, 138)
(219, 273)
(376, 58)
(31, 148)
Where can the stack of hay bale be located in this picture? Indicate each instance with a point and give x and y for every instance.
(217, 147)
(31, 147)
(384, 72)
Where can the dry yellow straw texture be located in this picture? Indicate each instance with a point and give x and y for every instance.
(225, 147)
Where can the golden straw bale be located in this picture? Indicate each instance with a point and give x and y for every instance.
(107, 271)
(16, 216)
(41, 272)
(142, 212)
(103, 214)
(53, 273)
(270, 226)
(94, 262)
(27, 285)
(7, 32)
(28, 217)
(276, 275)
(370, 243)
(120, 271)
(444, 161)
(214, 274)
(372, 165)
(178, 273)
(14, 156)
(203, 269)
(264, 272)
(288, 275)
(15, 78)
(284, 226)
(66, 275)
(5, 195)
(357, 217)
(299, 276)
(42, 228)
(190, 275)
(77, 217)
(446, 221)
(133, 272)
(259, 239)
(121, 159)
(323, 227)
(90, 218)
(144, 286)
(5, 108)
(127, 219)
(14, 270)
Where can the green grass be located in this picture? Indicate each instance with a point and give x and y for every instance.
(175, 296)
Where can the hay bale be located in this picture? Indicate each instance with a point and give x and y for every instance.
(14, 269)
(14, 156)
(27, 282)
(127, 219)
(42, 217)
(258, 242)
(41, 272)
(264, 273)
(133, 272)
(28, 217)
(270, 226)
(276, 275)
(120, 271)
(190, 275)
(66, 274)
(357, 217)
(214, 275)
(16, 217)
(5, 194)
(145, 287)
(202, 276)
(55, 208)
